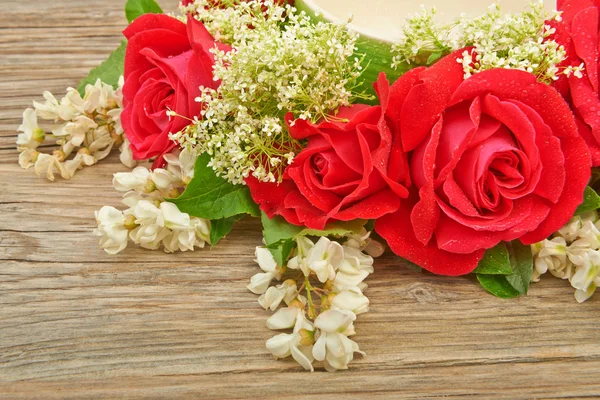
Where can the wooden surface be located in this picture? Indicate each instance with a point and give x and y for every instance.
(77, 323)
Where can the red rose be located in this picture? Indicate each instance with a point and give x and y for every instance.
(165, 64)
(496, 157)
(578, 33)
(348, 170)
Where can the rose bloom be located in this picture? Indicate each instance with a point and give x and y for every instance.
(348, 170)
(496, 157)
(579, 34)
(166, 62)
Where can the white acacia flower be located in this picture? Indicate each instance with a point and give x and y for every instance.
(27, 158)
(173, 218)
(111, 229)
(136, 180)
(553, 257)
(202, 228)
(355, 261)
(363, 242)
(182, 240)
(273, 297)
(284, 345)
(126, 156)
(32, 135)
(68, 108)
(333, 346)
(76, 129)
(260, 282)
(587, 277)
(588, 237)
(285, 318)
(182, 165)
(304, 246)
(48, 165)
(351, 299)
(324, 259)
(344, 281)
(151, 225)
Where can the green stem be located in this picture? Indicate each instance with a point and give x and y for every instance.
(311, 305)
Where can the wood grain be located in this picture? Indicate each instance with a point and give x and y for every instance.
(77, 323)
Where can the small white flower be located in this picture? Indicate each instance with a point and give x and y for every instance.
(324, 258)
(135, 180)
(284, 345)
(182, 165)
(273, 297)
(333, 346)
(586, 278)
(151, 226)
(48, 164)
(259, 283)
(111, 229)
(27, 158)
(284, 318)
(77, 129)
(32, 134)
(363, 242)
(173, 218)
(351, 299)
(126, 156)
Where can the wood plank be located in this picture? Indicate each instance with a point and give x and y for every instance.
(78, 323)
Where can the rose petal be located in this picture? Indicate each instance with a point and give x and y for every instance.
(401, 239)
(429, 99)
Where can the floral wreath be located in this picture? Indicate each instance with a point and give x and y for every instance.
(467, 148)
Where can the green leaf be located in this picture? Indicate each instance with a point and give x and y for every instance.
(211, 197)
(137, 8)
(433, 57)
(521, 260)
(108, 72)
(520, 263)
(498, 285)
(281, 250)
(222, 227)
(591, 201)
(279, 234)
(278, 229)
(495, 261)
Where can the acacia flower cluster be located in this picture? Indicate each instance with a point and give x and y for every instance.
(280, 63)
(150, 221)
(499, 40)
(86, 129)
(572, 253)
(321, 301)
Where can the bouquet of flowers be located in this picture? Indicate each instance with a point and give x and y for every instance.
(467, 148)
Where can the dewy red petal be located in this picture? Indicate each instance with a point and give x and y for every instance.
(428, 99)
(401, 239)
(578, 33)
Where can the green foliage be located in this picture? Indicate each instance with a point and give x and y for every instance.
(137, 8)
(521, 261)
(280, 235)
(108, 72)
(505, 271)
(495, 261)
(208, 196)
(222, 227)
(591, 201)
(498, 286)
